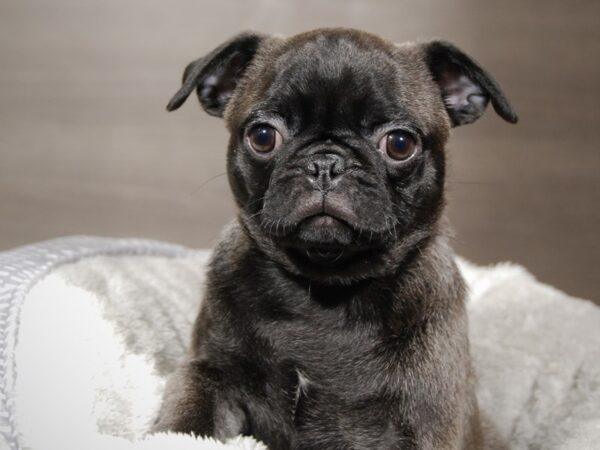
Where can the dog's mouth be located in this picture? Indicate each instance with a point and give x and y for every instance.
(324, 236)
(325, 241)
(321, 255)
(327, 258)
(324, 230)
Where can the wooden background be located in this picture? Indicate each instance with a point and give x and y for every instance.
(86, 146)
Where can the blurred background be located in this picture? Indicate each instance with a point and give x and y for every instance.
(86, 146)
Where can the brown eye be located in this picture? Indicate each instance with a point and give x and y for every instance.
(399, 145)
(263, 138)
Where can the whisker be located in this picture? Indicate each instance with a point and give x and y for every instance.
(252, 216)
(205, 182)
(260, 199)
(337, 258)
(472, 182)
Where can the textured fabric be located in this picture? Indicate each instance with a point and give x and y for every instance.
(20, 269)
(106, 320)
(537, 356)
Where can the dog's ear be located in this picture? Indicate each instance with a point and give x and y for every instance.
(466, 87)
(215, 76)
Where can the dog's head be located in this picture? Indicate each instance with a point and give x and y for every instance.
(336, 157)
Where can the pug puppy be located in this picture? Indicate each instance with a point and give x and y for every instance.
(334, 313)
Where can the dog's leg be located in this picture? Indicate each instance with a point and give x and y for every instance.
(195, 401)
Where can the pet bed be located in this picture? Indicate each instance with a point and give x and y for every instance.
(91, 327)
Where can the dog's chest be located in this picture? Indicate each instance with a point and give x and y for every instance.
(337, 382)
(326, 344)
(330, 352)
(347, 348)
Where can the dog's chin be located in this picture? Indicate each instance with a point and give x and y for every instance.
(321, 240)
(325, 248)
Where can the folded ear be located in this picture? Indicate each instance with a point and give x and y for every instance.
(216, 75)
(466, 87)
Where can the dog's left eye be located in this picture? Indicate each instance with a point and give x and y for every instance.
(263, 138)
(399, 145)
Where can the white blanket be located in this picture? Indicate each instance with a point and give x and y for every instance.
(98, 335)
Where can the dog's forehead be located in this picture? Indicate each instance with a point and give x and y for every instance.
(334, 79)
(328, 53)
(339, 78)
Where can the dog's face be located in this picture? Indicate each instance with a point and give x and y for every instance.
(336, 157)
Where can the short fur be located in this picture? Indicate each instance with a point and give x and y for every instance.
(368, 350)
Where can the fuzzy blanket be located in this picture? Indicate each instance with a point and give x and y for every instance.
(90, 328)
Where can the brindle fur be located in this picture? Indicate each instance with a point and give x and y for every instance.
(373, 354)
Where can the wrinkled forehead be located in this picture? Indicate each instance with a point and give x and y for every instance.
(334, 81)
(339, 81)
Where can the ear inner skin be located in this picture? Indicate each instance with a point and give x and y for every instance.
(215, 75)
(466, 87)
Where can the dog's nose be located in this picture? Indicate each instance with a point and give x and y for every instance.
(325, 169)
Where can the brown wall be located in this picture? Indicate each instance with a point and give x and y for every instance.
(86, 146)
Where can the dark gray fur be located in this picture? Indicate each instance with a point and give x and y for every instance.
(369, 350)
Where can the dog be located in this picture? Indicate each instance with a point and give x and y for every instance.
(334, 313)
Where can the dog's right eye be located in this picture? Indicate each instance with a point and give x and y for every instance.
(263, 138)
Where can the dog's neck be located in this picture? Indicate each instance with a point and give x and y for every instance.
(427, 279)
